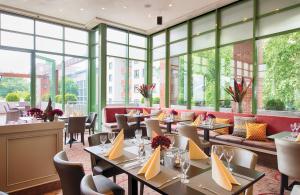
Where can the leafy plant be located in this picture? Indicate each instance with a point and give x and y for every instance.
(45, 97)
(70, 97)
(58, 99)
(155, 100)
(274, 104)
(12, 97)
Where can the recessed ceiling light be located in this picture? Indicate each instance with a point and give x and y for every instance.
(170, 5)
(60, 10)
(124, 6)
(277, 9)
(81, 9)
(245, 19)
(103, 8)
(149, 15)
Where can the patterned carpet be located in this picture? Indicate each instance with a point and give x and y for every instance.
(269, 185)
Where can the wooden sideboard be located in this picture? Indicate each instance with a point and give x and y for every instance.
(26, 154)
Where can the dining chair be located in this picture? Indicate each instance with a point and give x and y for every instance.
(99, 166)
(152, 125)
(288, 159)
(91, 122)
(99, 185)
(243, 158)
(11, 115)
(75, 125)
(129, 131)
(70, 173)
(3, 193)
(190, 132)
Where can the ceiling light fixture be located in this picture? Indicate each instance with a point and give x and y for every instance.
(81, 9)
(103, 8)
(159, 20)
(124, 6)
(149, 16)
(60, 10)
(170, 5)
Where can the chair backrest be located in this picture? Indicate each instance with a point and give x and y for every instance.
(152, 125)
(70, 174)
(189, 132)
(12, 115)
(242, 157)
(121, 121)
(288, 157)
(180, 141)
(5, 108)
(93, 119)
(87, 186)
(76, 124)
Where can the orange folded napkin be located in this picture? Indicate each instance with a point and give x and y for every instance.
(197, 121)
(298, 138)
(221, 175)
(195, 152)
(117, 148)
(145, 112)
(131, 112)
(152, 166)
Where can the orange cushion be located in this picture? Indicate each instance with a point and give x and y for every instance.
(256, 131)
(222, 131)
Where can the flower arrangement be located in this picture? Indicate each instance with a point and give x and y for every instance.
(57, 112)
(238, 91)
(174, 112)
(35, 112)
(211, 116)
(161, 141)
(145, 90)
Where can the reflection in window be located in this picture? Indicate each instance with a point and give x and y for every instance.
(72, 34)
(48, 30)
(16, 23)
(158, 76)
(236, 61)
(116, 81)
(49, 80)
(278, 86)
(178, 81)
(135, 67)
(203, 79)
(76, 93)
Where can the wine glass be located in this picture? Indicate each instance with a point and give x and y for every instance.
(228, 154)
(138, 134)
(141, 151)
(218, 150)
(111, 136)
(103, 139)
(185, 165)
(172, 139)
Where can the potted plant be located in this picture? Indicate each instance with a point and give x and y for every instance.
(238, 91)
(36, 113)
(56, 113)
(146, 92)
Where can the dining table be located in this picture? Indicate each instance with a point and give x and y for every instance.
(139, 117)
(168, 181)
(170, 121)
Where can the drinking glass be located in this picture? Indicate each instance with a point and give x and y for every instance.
(185, 165)
(228, 154)
(103, 139)
(142, 152)
(218, 150)
(111, 136)
(138, 134)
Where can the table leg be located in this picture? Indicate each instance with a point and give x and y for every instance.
(169, 127)
(283, 183)
(138, 123)
(206, 138)
(132, 185)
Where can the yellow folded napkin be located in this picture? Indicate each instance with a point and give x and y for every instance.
(152, 166)
(221, 175)
(195, 152)
(197, 121)
(131, 112)
(298, 138)
(145, 112)
(117, 149)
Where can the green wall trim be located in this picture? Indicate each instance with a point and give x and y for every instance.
(254, 58)
(189, 65)
(92, 76)
(102, 71)
(217, 67)
(33, 81)
(167, 70)
(127, 74)
(148, 68)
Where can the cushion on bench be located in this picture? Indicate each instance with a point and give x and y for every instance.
(230, 138)
(267, 145)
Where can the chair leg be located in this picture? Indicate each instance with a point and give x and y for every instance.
(283, 183)
(141, 188)
(89, 131)
(65, 138)
(71, 139)
(82, 138)
(115, 179)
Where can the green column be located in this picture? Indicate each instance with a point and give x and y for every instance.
(92, 74)
(63, 88)
(189, 66)
(217, 67)
(102, 70)
(254, 56)
(33, 81)
(148, 78)
(167, 69)
(127, 73)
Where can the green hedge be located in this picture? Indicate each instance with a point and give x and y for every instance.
(274, 104)
(12, 97)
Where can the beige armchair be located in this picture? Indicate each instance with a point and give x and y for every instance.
(288, 159)
(152, 125)
(190, 132)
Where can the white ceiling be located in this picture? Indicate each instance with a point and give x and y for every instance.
(131, 14)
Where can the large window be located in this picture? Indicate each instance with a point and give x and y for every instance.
(126, 64)
(278, 87)
(203, 79)
(49, 80)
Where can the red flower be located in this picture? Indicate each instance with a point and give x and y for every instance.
(161, 141)
(239, 90)
(174, 112)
